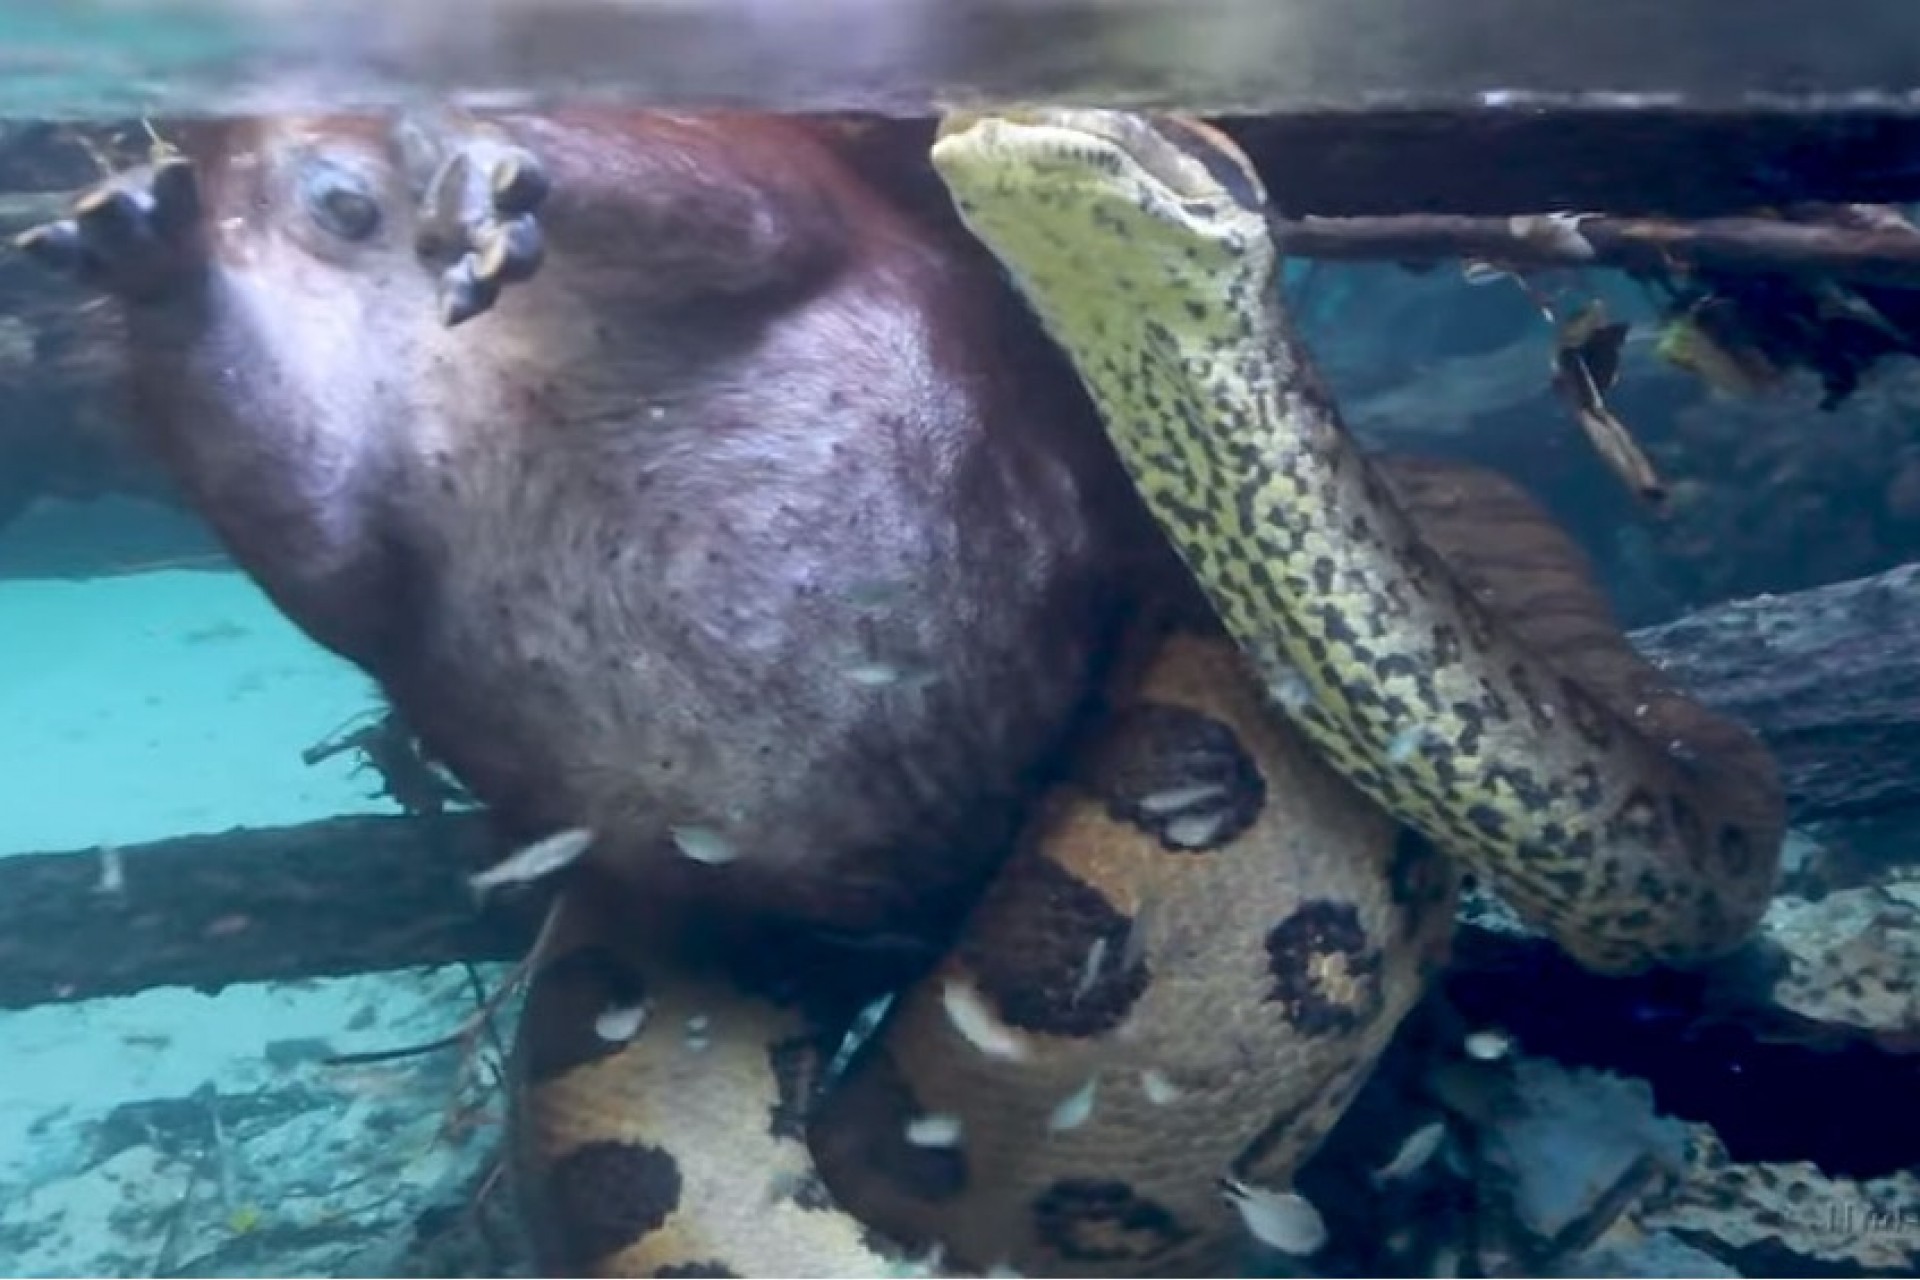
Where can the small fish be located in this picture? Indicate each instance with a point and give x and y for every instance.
(620, 1023)
(939, 1129)
(1174, 799)
(967, 1011)
(698, 1024)
(1160, 1091)
(1282, 1220)
(1075, 1109)
(1405, 743)
(874, 675)
(1139, 934)
(704, 845)
(1488, 1046)
(1476, 271)
(540, 859)
(1090, 971)
(1420, 1146)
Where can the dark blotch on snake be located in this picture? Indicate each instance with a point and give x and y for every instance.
(565, 1002)
(607, 1195)
(1639, 818)
(1051, 925)
(930, 1174)
(1419, 878)
(1252, 1160)
(1178, 774)
(1104, 1220)
(1325, 971)
(797, 1065)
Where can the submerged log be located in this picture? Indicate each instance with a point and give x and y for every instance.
(1830, 677)
(347, 895)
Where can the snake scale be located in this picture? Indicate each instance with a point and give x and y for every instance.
(1212, 926)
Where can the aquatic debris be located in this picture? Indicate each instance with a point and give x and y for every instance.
(1419, 1147)
(1586, 364)
(620, 1023)
(937, 1129)
(1075, 1109)
(1559, 232)
(1282, 1220)
(704, 845)
(1709, 340)
(1488, 1046)
(967, 1011)
(1160, 1091)
(535, 861)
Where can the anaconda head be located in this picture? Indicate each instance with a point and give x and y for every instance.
(1146, 214)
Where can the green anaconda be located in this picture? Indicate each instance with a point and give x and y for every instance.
(1213, 924)
(1609, 810)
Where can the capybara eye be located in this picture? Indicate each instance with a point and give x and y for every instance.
(339, 199)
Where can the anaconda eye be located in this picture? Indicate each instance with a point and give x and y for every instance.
(340, 200)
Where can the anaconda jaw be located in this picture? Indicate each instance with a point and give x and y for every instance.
(1104, 181)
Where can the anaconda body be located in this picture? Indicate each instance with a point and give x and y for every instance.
(1625, 820)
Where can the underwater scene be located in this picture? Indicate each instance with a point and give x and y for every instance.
(1059, 639)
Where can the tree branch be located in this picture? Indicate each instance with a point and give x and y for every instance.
(1887, 256)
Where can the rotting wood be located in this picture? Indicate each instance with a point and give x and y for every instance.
(1831, 677)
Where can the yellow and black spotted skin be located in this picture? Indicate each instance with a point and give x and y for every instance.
(1213, 925)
